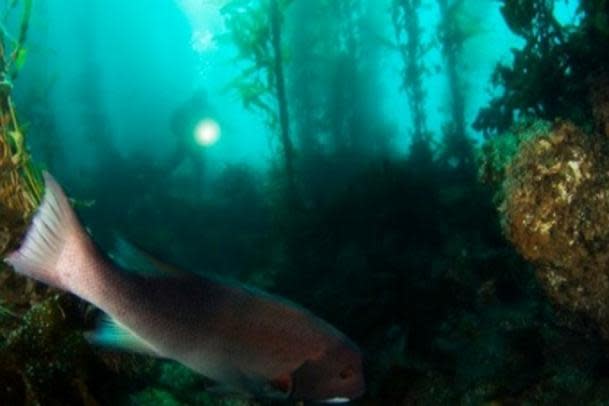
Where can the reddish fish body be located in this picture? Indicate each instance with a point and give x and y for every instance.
(245, 339)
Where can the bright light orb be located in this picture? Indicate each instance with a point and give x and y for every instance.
(203, 41)
(207, 132)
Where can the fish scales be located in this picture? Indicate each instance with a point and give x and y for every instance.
(248, 340)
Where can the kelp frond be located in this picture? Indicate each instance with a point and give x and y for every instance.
(20, 184)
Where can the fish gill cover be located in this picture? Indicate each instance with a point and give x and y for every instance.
(330, 152)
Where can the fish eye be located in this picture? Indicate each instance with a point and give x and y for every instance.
(347, 373)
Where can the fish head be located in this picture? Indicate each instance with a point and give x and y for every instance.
(334, 377)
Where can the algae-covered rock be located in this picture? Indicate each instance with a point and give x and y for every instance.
(554, 201)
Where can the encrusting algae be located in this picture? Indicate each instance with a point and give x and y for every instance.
(554, 201)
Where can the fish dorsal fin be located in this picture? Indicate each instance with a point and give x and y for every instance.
(110, 333)
(135, 259)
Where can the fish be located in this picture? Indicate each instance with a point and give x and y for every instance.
(248, 341)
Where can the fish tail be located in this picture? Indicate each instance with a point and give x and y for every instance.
(56, 248)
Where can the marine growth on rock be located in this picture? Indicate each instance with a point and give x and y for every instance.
(554, 201)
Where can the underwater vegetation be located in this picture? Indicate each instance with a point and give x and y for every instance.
(20, 189)
(557, 65)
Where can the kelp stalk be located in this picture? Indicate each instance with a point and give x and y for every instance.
(282, 101)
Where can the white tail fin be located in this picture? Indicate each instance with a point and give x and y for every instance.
(56, 246)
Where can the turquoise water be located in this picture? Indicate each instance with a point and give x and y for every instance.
(143, 61)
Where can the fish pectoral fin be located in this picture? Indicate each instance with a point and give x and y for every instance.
(134, 259)
(110, 333)
(280, 387)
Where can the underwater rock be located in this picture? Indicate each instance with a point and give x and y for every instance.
(554, 201)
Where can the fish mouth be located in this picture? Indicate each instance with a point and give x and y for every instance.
(335, 400)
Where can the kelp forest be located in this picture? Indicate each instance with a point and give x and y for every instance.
(349, 156)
